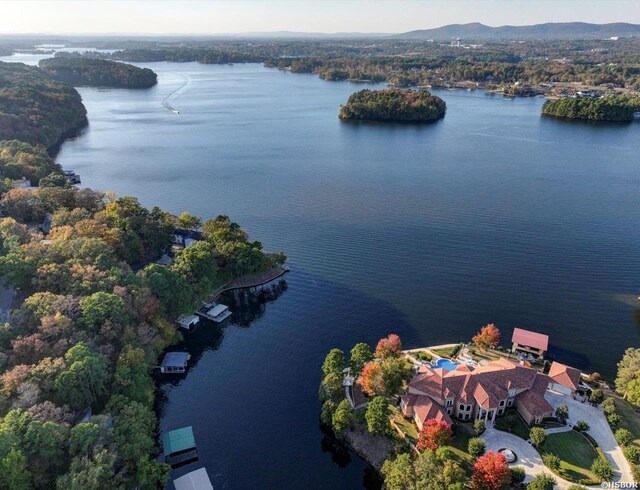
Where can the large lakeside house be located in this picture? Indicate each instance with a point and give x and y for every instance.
(484, 392)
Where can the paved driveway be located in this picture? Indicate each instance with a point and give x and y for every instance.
(600, 431)
(527, 455)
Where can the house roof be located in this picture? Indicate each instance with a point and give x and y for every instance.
(565, 375)
(530, 339)
(175, 359)
(217, 309)
(425, 408)
(196, 480)
(178, 440)
(485, 385)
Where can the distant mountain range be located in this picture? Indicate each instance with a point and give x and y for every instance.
(559, 30)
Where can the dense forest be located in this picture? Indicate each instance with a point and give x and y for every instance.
(97, 73)
(89, 320)
(36, 109)
(393, 105)
(614, 108)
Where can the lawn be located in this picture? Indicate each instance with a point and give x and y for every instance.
(447, 352)
(479, 355)
(407, 426)
(463, 432)
(630, 417)
(575, 451)
(513, 423)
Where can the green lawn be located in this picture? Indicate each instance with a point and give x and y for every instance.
(447, 352)
(480, 355)
(407, 426)
(512, 422)
(630, 417)
(575, 451)
(463, 432)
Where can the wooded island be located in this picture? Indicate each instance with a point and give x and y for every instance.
(98, 73)
(393, 105)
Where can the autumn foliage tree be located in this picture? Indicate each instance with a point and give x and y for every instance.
(388, 347)
(491, 472)
(371, 379)
(434, 434)
(488, 336)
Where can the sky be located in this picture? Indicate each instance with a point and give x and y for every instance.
(240, 16)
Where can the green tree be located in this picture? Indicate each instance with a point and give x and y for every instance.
(84, 380)
(436, 470)
(47, 440)
(171, 288)
(624, 437)
(189, 221)
(328, 409)
(628, 370)
(542, 482)
(360, 355)
(197, 264)
(377, 416)
(596, 396)
(518, 475)
(151, 474)
(603, 470)
(14, 471)
(632, 453)
(131, 377)
(334, 362)
(97, 473)
(537, 436)
(133, 430)
(394, 370)
(479, 426)
(552, 461)
(399, 473)
(342, 417)
(83, 439)
(100, 307)
(476, 447)
(331, 388)
(582, 426)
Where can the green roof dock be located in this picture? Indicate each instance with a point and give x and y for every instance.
(179, 446)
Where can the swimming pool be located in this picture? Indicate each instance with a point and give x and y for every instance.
(446, 364)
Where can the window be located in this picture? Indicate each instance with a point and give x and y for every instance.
(461, 406)
(502, 403)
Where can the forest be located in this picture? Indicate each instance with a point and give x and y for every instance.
(611, 109)
(92, 312)
(36, 109)
(393, 105)
(80, 71)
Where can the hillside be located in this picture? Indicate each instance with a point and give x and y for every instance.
(36, 109)
(559, 30)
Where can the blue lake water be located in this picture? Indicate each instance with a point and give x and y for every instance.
(493, 214)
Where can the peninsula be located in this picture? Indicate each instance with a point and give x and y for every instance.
(393, 105)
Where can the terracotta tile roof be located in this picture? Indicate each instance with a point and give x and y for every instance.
(426, 409)
(530, 339)
(486, 385)
(565, 375)
(534, 403)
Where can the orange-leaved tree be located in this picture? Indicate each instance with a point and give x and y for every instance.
(491, 472)
(434, 434)
(388, 346)
(488, 336)
(371, 379)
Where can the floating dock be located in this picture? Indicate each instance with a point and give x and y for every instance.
(214, 311)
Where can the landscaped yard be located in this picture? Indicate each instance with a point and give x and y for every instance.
(575, 451)
(447, 352)
(513, 423)
(407, 426)
(480, 355)
(463, 432)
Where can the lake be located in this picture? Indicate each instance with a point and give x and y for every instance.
(492, 214)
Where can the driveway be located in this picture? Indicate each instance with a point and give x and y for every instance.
(600, 431)
(528, 457)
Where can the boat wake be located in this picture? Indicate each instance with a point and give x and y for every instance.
(167, 103)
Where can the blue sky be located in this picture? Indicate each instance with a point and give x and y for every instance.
(238, 16)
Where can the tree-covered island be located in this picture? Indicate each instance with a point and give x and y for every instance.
(393, 105)
(97, 73)
(618, 108)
